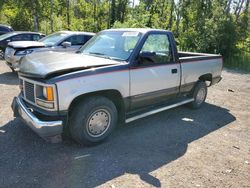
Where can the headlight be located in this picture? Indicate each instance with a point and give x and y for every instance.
(24, 52)
(45, 96)
(45, 92)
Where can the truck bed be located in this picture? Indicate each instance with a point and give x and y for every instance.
(193, 56)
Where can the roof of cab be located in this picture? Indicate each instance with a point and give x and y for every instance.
(141, 30)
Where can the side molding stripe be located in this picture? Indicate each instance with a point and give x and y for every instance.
(158, 110)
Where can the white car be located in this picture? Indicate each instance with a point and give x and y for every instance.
(63, 41)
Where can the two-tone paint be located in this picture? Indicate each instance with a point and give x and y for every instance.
(138, 85)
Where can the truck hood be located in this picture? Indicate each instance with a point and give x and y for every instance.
(43, 64)
(26, 44)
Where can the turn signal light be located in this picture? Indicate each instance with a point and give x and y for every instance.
(50, 95)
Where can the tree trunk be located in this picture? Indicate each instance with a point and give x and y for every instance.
(68, 14)
(109, 18)
(123, 10)
(51, 15)
(36, 24)
(94, 11)
(239, 10)
(228, 6)
(113, 14)
(237, 7)
(247, 6)
(178, 18)
(149, 23)
(170, 22)
(35, 16)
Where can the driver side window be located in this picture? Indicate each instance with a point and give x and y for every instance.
(158, 46)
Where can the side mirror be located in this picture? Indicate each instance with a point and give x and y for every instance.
(147, 55)
(66, 44)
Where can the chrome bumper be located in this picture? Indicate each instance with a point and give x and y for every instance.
(45, 129)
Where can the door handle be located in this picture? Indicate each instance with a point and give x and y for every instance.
(174, 71)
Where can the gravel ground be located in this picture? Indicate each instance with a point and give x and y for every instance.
(209, 147)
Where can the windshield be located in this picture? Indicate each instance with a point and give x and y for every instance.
(5, 36)
(117, 45)
(52, 39)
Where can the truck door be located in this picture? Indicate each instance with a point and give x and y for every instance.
(156, 77)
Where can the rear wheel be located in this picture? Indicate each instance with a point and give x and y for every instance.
(199, 95)
(93, 120)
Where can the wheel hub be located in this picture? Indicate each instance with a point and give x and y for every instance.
(98, 122)
(200, 96)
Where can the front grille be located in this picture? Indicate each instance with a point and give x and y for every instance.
(21, 86)
(29, 91)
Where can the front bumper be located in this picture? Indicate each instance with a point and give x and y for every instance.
(45, 129)
(13, 61)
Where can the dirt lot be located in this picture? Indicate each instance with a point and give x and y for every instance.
(209, 147)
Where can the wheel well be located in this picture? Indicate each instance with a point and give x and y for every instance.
(113, 95)
(206, 77)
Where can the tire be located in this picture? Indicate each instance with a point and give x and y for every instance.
(1, 54)
(199, 95)
(92, 120)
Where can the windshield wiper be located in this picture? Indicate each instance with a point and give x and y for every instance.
(105, 56)
(116, 58)
(97, 53)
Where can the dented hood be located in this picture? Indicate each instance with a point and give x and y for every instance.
(43, 64)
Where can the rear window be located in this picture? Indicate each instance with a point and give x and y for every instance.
(87, 37)
(36, 37)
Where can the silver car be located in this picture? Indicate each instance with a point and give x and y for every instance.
(63, 41)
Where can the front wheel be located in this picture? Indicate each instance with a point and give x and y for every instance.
(92, 120)
(1, 55)
(199, 95)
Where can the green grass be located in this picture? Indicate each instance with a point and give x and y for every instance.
(240, 61)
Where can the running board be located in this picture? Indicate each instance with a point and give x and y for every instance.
(158, 110)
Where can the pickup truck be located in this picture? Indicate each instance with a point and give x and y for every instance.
(62, 41)
(118, 76)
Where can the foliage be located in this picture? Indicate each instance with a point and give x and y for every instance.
(212, 26)
(238, 60)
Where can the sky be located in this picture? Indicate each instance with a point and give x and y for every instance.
(136, 2)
